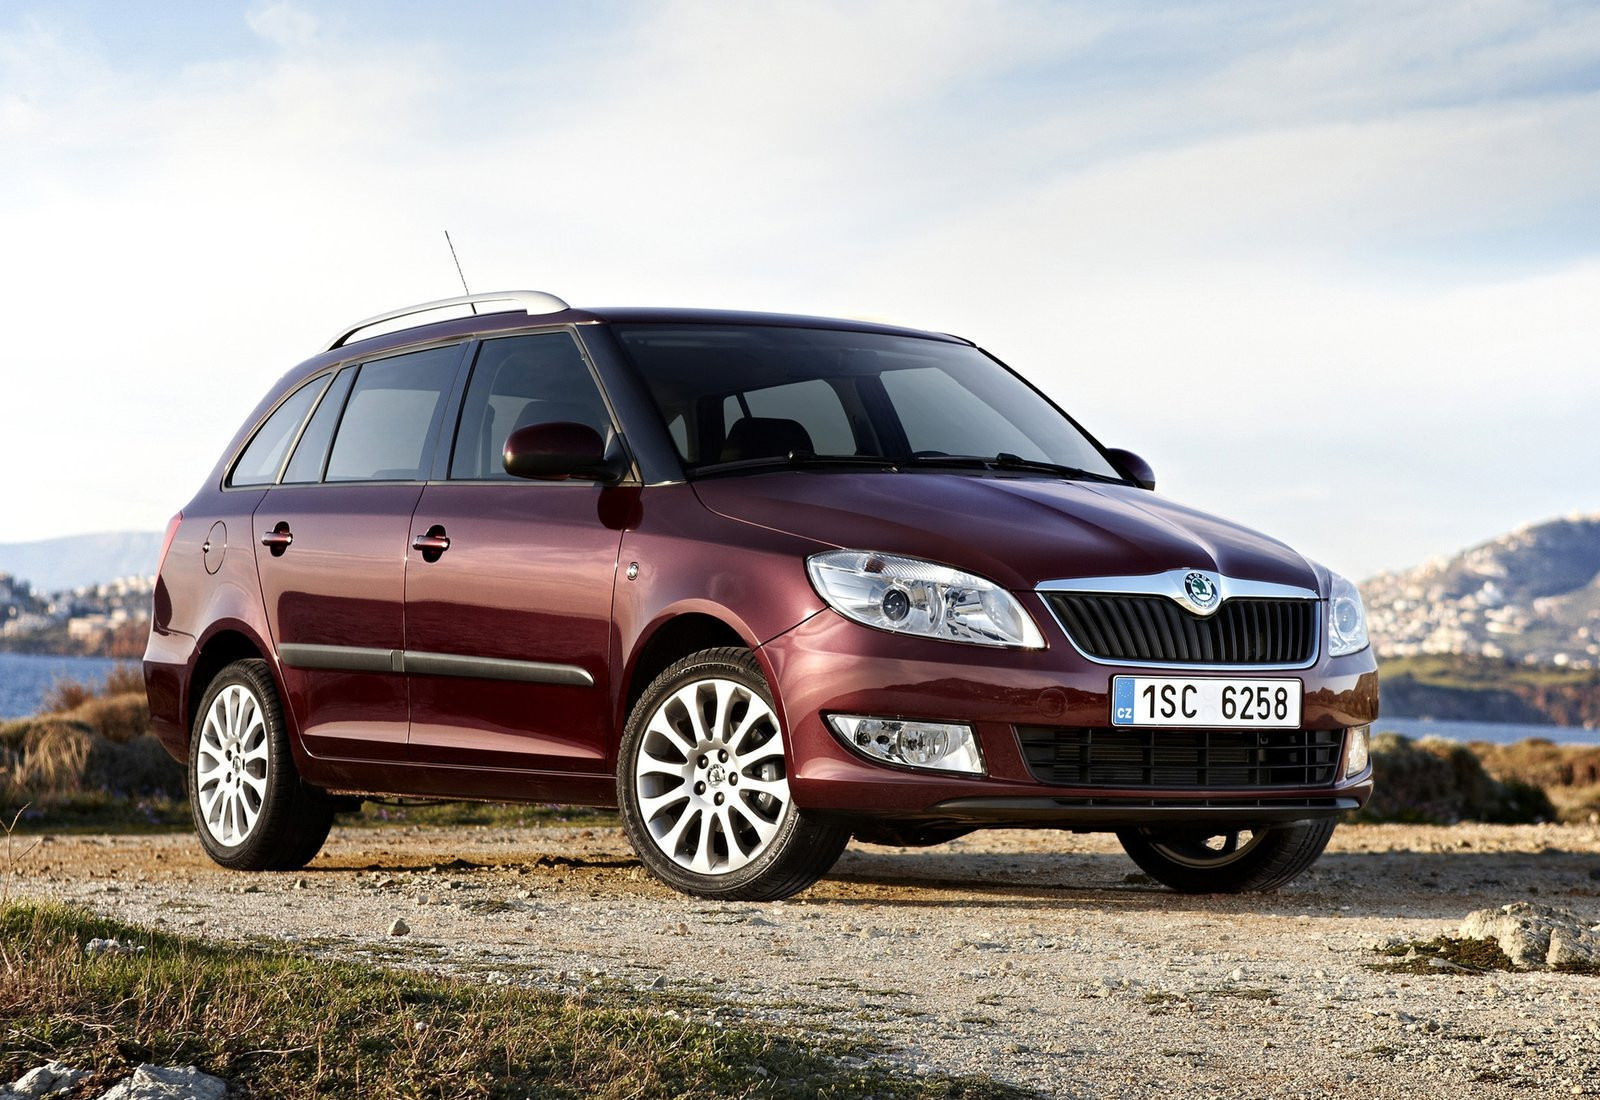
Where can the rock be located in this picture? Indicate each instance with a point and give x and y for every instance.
(399, 927)
(172, 1083)
(46, 1080)
(1534, 935)
(1567, 950)
(660, 982)
(112, 947)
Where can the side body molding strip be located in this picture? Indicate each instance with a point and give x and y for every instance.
(494, 668)
(341, 658)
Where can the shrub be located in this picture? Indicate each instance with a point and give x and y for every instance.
(69, 694)
(1440, 782)
(120, 718)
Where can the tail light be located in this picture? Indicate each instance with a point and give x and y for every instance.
(166, 543)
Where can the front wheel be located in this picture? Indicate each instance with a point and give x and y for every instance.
(703, 783)
(1227, 861)
(250, 808)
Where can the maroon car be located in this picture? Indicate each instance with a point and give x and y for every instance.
(762, 582)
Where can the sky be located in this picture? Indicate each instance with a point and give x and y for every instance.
(1332, 269)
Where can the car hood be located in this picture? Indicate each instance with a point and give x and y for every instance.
(1017, 531)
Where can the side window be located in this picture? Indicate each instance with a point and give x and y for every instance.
(517, 381)
(938, 414)
(678, 428)
(383, 435)
(261, 460)
(312, 450)
(812, 409)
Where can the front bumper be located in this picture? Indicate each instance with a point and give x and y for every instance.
(831, 665)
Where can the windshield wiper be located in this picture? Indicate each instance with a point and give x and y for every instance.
(1005, 460)
(799, 460)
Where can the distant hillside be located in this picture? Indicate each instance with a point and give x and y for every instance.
(75, 560)
(1480, 689)
(1532, 595)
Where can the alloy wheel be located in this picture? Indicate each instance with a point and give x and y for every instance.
(710, 776)
(231, 765)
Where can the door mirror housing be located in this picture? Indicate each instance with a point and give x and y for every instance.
(560, 451)
(1134, 468)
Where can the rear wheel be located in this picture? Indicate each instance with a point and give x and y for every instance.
(251, 810)
(1227, 861)
(702, 780)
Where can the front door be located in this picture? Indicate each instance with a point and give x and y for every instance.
(330, 551)
(509, 582)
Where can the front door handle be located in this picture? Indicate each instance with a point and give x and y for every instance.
(278, 539)
(433, 544)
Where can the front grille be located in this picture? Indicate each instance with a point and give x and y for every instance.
(1157, 629)
(1111, 757)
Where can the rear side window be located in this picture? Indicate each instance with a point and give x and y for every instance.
(518, 381)
(312, 450)
(390, 417)
(262, 459)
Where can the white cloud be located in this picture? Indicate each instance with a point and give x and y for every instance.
(283, 23)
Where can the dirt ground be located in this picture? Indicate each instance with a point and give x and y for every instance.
(1043, 959)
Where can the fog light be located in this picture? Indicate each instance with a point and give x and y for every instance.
(942, 746)
(1357, 750)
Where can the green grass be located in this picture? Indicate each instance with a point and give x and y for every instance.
(1467, 955)
(1473, 956)
(276, 1024)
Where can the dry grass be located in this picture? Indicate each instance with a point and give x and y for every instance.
(68, 694)
(1433, 781)
(278, 1024)
(1568, 774)
(90, 760)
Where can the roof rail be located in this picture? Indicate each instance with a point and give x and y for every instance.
(530, 301)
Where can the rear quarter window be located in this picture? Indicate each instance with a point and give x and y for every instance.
(263, 456)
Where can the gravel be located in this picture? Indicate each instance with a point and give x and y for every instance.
(1037, 958)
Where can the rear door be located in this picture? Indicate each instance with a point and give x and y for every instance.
(508, 630)
(331, 544)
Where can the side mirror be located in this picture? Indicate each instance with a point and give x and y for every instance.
(1134, 468)
(558, 452)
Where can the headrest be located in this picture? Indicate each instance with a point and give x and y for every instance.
(764, 437)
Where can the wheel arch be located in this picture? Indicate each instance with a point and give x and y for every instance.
(222, 645)
(672, 637)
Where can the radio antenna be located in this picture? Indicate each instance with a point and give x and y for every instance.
(459, 273)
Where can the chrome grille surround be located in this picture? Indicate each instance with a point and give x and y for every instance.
(1150, 632)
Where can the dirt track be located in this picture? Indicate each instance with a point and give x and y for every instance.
(1043, 959)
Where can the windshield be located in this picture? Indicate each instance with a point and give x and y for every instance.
(735, 396)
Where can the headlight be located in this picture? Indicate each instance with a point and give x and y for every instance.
(917, 597)
(1347, 619)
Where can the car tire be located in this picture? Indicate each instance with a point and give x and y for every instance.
(1194, 862)
(702, 780)
(251, 810)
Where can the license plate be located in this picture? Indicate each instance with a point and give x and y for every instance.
(1225, 704)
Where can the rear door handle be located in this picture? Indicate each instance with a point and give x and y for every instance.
(278, 539)
(432, 544)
